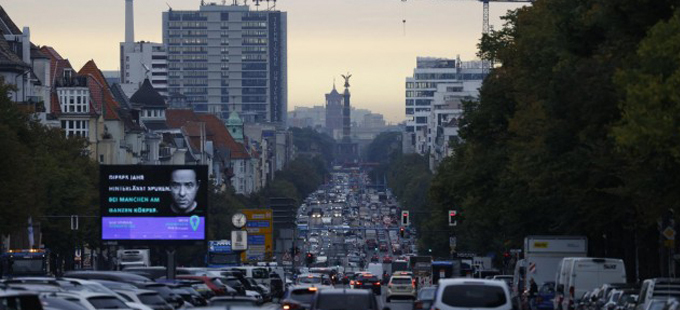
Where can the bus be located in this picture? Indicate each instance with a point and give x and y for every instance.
(27, 262)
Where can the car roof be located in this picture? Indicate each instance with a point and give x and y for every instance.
(344, 291)
(244, 298)
(461, 281)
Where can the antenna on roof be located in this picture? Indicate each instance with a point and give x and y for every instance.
(169, 7)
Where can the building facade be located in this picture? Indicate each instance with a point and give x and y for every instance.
(463, 78)
(334, 105)
(226, 58)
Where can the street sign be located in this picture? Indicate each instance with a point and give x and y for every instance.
(239, 240)
(669, 233)
(453, 241)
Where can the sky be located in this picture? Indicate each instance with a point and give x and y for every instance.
(377, 41)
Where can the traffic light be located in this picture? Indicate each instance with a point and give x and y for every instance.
(405, 218)
(309, 259)
(402, 231)
(453, 220)
(506, 258)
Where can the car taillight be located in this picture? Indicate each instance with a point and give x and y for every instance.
(418, 305)
(351, 282)
(358, 283)
(377, 283)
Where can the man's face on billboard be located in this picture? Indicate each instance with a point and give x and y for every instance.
(184, 188)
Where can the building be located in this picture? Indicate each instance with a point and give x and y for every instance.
(314, 117)
(373, 120)
(334, 106)
(24, 66)
(422, 87)
(141, 60)
(226, 58)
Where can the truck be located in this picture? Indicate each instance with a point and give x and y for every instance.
(132, 258)
(542, 255)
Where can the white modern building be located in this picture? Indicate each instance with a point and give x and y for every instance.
(424, 96)
(227, 58)
(141, 60)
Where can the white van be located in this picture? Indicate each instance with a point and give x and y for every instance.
(586, 273)
(561, 281)
(472, 294)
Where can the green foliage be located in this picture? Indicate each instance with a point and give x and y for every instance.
(308, 140)
(576, 132)
(45, 175)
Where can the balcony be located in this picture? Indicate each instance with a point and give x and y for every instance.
(77, 81)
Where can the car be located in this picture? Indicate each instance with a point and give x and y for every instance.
(56, 303)
(299, 298)
(387, 260)
(424, 298)
(94, 301)
(471, 294)
(368, 281)
(151, 299)
(19, 300)
(341, 299)
(401, 286)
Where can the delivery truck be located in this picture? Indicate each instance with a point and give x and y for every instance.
(542, 255)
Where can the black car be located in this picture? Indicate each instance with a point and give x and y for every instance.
(342, 299)
(366, 281)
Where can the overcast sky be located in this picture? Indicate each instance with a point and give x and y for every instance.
(377, 41)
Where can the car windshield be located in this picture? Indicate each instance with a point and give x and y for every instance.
(232, 302)
(343, 301)
(426, 294)
(302, 296)
(474, 296)
(106, 302)
(151, 299)
(369, 279)
(260, 273)
(401, 281)
(309, 280)
(657, 305)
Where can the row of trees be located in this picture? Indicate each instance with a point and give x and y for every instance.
(576, 132)
(46, 177)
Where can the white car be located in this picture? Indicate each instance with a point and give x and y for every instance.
(472, 294)
(401, 286)
(97, 301)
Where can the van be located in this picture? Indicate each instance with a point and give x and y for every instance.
(560, 281)
(657, 288)
(259, 274)
(586, 273)
(472, 294)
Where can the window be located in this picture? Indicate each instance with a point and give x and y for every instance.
(78, 128)
(74, 100)
(474, 296)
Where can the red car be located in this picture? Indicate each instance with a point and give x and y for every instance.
(387, 259)
(219, 288)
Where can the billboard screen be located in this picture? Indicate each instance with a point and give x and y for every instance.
(143, 204)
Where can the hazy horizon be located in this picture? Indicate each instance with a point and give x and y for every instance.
(325, 39)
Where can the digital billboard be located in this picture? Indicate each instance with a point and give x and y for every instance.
(143, 204)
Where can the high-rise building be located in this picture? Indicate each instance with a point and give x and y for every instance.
(226, 58)
(141, 60)
(422, 88)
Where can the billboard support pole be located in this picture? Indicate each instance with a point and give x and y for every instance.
(172, 264)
